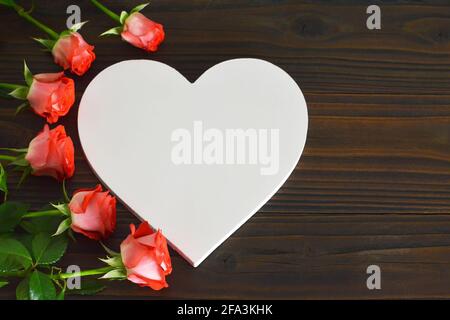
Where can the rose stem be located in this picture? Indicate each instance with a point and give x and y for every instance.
(10, 86)
(21, 12)
(90, 272)
(7, 158)
(46, 213)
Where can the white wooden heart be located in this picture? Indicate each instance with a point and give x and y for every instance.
(135, 121)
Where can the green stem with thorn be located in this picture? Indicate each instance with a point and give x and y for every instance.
(24, 14)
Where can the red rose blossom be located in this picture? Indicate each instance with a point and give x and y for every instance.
(142, 32)
(72, 52)
(146, 257)
(51, 153)
(51, 95)
(93, 213)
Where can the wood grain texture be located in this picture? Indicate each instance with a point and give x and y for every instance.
(373, 185)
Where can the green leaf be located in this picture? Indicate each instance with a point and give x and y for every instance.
(123, 16)
(65, 33)
(13, 254)
(109, 251)
(62, 207)
(25, 239)
(41, 224)
(115, 261)
(22, 107)
(48, 249)
(47, 43)
(114, 31)
(9, 263)
(26, 172)
(27, 74)
(77, 26)
(88, 287)
(61, 295)
(20, 162)
(11, 214)
(63, 226)
(139, 7)
(20, 93)
(23, 289)
(3, 184)
(4, 93)
(41, 287)
(3, 283)
(115, 274)
(71, 235)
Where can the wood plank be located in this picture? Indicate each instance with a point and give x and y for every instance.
(373, 186)
(304, 256)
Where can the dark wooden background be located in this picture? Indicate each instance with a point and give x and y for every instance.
(373, 185)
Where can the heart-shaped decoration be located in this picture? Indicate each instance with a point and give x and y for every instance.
(198, 159)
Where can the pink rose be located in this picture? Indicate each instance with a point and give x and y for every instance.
(93, 213)
(51, 153)
(142, 32)
(146, 257)
(72, 52)
(51, 95)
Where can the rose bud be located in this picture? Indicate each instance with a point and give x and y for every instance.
(51, 95)
(93, 213)
(145, 257)
(142, 32)
(72, 52)
(51, 153)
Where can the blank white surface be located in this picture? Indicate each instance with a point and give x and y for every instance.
(125, 121)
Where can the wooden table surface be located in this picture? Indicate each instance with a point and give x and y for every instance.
(373, 185)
